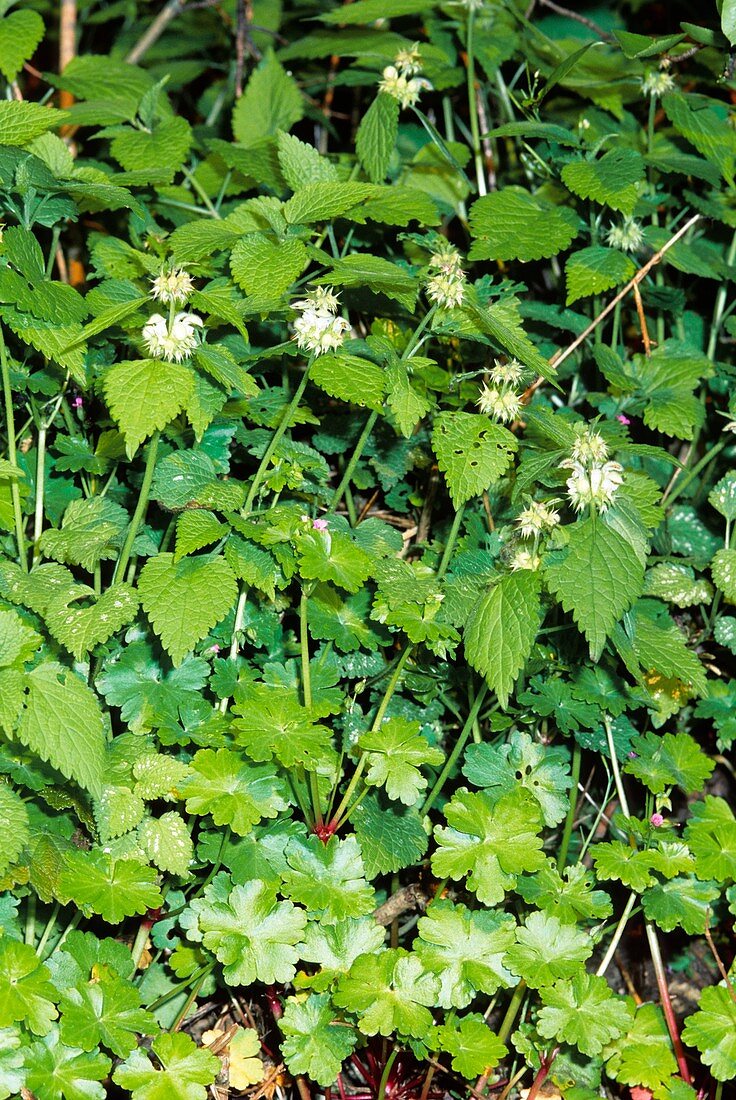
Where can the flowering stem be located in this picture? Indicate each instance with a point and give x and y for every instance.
(12, 455)
(307, 689)
(275, 440)
(570, 820)
(542, 1074)
(451, 540)
(664, 995)
(452, 758)
(473, 105)
(140, 508)
(354, 459)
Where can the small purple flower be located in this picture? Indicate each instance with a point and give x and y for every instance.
(215, 649)
(77, 402)
(633, 755)
(623, 419)
(656, 820)
(320, 524)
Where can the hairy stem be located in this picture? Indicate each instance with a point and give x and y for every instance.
(275, 440)
(12, 454)
(458, 748)
(140, 509)
(570, 819)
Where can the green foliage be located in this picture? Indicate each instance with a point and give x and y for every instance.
(366, 534)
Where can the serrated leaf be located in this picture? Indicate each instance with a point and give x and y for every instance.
(390, 837)
(405, 402)
(104, 1011)
(595, 269)
(62, 723)
(723, 496)
(571, 899)
(302, 164)
(546, 949)
(542, 770)
(327, 878)
(712, 1030)
(163, 148)
(21, 121)
(80, 628)
(113, 888)
(682, 902)
(234, 791)
(615, 179)
(167, 842)
(723, 571)
(465, 949)
(475, 1049)
(90, 530)
(711, 836)
(196, 529)
(20, 33)
(675, 759)
(313, 1044)
(351, 379)
(265, 269)
(700, 120)
(501, 628)
(472, 453)
(26, 993)
(317, 202)
(60, 1072)
(597, 578)
(376, 137)
(619, 861)
(250, 932)
(272, 723)
(396, 751)
(584, 1012)
(643, 1055)
(512, 224)
(270, 102)
(185, 600)
(376, 274)
(185, 1074)
(389, 992)
(14, 825)
(144, 395)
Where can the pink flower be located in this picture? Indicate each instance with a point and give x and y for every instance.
(320, 524)
(656, 820)
(77, 403)
(215, 648)
(623, 419)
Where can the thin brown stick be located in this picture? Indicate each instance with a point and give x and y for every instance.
(595, 27)
(642, 322)
(719, 961)
(154, 32)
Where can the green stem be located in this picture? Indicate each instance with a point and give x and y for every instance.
(381, 1094)
(162, 1000)
(451, 540)
(354, 459)
(512, 1011)
(452, 758)
(615, 768)
(617, 935)
(67, 931)
(570, 820)
(50, 925)
(30, 930)
(473, 105)
(139, 943)
(40, 479)
(140, 508)
(275, 440)
(182, 1015)
(12, 454)
(720, 303)
(307, 690)
(707, 458)
(664, 995)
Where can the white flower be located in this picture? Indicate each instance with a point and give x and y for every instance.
(175, 343)
(595, 486)
(524, 559)
(500, 402)
(537, 517)
(405, 89)
(589, 447)
(508, 374)
(657, 83)
(172, 287)
(628, 236)
(446, 291)
(447, 260)
(409, 62)
(319, 329)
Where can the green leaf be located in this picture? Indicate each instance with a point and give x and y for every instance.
(475, 1049)
(614, 180)
(472, 452)
(512, 224)
(390, 838)
(490, 841)
(682, 902)
(677, 584)
(659, 645)
(703, 122)
(722, 496)
(89, 532)
(521, 762)
(251, 933)
(465, 950)
(396, 752)
(711, 835)
(271, 102)
(712, 1030)
(335, 947)
(584, 1012)
(106, 1012)
(643, 1055)
(302, 164)
(375, 140)
(114, 888)
(597, 577)
(313, 1044)
(144, 395)
(728, 20)
(675, 759)
(501, 628)
(616, 860)
(236, 792)
(389, 992)
(723, 571)
(328, 879)
(60, 1072)
(272, 723)
(163, 148)
(367, 11)
(595, 269)
(14, 826)
(263, 268)
(374, 273)
(167, 842)
(407, 405)
(343, 621)
(20, 33)
(185, 600)
(26, 993)
(21, 122)
(62, 723)
(80, 629)
(196, 529)
(571, 898)
(185, 1074)
(317, 202)
(546, 950)
(333, 555)
(12, 1073)
(351, 379)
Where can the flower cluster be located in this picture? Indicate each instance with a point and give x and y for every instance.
(173, 287)
(656, 83)
(175, 339)
(594, 480)
(319, 329)
(536, 518)
(400, 80)
(525, 559)
(447, 287)
(500, 399)
(628, 236)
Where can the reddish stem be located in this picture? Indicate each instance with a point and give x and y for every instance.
(274, 1003)
(542, 1074)
(669, 1012)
